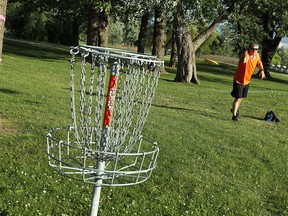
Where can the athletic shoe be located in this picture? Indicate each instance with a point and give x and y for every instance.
(235, 118)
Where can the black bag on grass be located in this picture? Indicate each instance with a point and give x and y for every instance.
(270, 117)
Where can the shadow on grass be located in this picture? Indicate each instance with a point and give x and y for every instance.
(272, 79)
(35, 49)
(171, 70)
(214, 115)
(168, 80)
(253, 117)
(221, 69)
(30, 102)
(215, 80)
(278, 80)
(8, 91)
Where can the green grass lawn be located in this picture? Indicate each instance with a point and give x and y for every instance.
(208, 164)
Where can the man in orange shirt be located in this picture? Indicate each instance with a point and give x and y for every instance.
(242, 77)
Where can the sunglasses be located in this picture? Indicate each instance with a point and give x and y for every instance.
(254, 48)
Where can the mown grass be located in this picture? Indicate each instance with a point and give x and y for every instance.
(208, 164)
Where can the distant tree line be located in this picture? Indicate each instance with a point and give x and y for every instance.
(281, 57)
(184, 28)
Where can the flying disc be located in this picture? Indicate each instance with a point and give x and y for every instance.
(212, 62)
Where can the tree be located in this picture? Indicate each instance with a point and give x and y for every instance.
(276, 59)
(186, 70)
(209, 46)
(3, 5)
(263, 21)
(67, 16)
(115, 31)
(228, 41)
(51, 20)
(132, 12)
(173, 55)
(283, 53)
(97, 31)
(143, 33)
(275, 26)
(159, 37)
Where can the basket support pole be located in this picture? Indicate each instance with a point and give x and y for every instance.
(97, 190)
(111, 95)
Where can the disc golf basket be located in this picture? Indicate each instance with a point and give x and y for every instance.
(111, 92)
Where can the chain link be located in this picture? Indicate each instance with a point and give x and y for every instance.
(136, 87)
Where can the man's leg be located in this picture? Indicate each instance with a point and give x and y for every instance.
(236, 105)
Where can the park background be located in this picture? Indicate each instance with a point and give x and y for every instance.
(208, 164)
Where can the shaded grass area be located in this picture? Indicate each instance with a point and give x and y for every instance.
(39, 50)
(208, 165)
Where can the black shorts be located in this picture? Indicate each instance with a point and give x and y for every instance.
(239, 91)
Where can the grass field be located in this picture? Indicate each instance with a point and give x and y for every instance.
(208, 164)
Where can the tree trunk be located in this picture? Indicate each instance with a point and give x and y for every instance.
(268, 51)
(92, 30)
(97, 31)
(75, 39)
(3, 5)
(143, 33)
(103, 29)
(173, 55)
(159, 33)
(186, 70)
(269, 44)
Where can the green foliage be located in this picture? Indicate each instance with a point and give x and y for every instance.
(115, 32)
(193, 31)
(25, 24)
(276, 59)
(211, 45)
(60, 30)
(39, 25)
(283, 53)
(104, 6)
(277, 11)
(227, 37)
(131, 31)
(244, 29)
(258, 21)
(208, 164)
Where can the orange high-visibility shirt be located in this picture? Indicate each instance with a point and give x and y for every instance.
(245, 70)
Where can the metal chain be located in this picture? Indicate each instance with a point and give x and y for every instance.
(143, 110)
(136, 87)
(90, 102)
(83, 116)
(152, 81)
(99, 98)
(74, 52)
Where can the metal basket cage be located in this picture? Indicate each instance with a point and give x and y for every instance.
(111, 92)
(121, 169)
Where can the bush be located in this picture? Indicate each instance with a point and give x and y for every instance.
(276, 59)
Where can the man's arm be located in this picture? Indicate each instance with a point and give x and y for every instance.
(261, 70)
(244, 57)
(262, 74)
